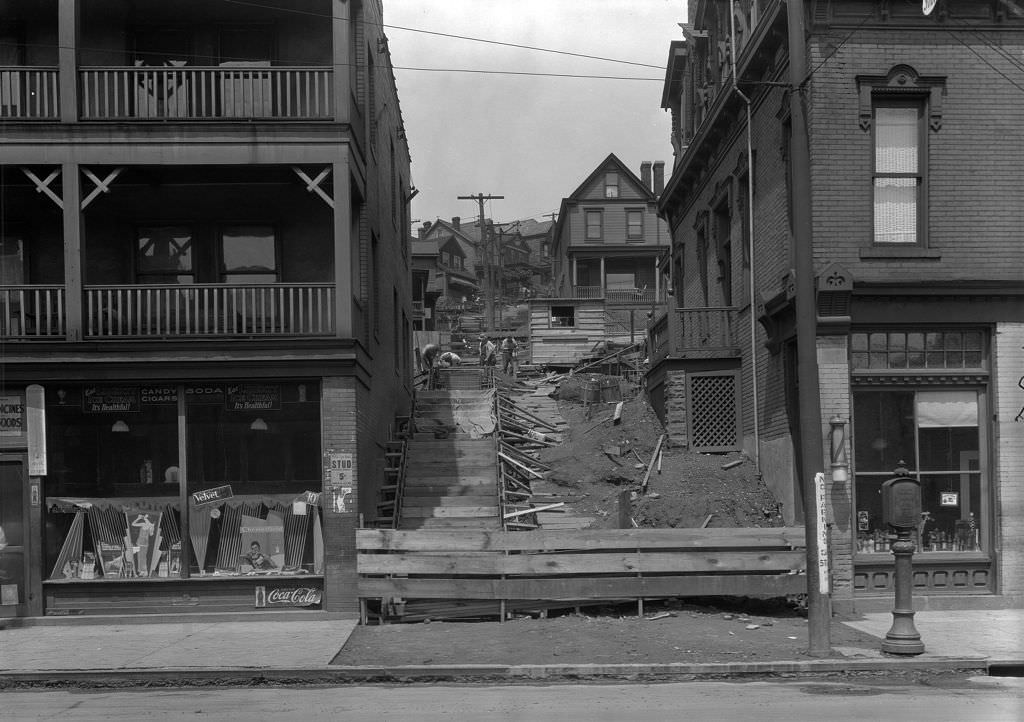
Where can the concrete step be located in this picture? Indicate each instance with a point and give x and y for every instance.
(448, 512)
(412, 483)
(454, 524)
(449, 488)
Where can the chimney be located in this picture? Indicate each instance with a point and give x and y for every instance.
(457, 222)
(659, 177)
(424, 229)
(645, 174)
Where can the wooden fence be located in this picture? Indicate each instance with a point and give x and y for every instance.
(580, 566)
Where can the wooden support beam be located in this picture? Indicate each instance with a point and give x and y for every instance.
(654, 457)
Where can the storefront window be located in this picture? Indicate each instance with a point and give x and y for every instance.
(119, 506)
(935, 433)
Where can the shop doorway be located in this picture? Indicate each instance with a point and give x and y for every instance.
(14, 522)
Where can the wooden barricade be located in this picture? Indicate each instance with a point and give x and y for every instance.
(580, 566)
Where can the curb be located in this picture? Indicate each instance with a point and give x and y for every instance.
(370, 674)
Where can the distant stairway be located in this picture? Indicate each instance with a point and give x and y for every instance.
(451, 478)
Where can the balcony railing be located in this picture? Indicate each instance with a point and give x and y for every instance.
(29, 93)
(283, 309)
(694, 332)
(32, 312)
(193, 93)
(616, 295)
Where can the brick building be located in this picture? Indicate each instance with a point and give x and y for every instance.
(915, 146)
(205, 304)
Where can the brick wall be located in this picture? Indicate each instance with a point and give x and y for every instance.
(834, 390)
(973, 161)
(1009, 466)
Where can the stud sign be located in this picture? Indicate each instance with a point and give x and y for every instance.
(35, 409)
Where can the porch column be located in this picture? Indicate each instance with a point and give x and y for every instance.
(67, 65)
(657, 282)
(346, 236)
(73, 294)
(574, 282)
(602, 284)
(341, 28)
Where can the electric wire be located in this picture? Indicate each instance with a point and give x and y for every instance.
(445, 35)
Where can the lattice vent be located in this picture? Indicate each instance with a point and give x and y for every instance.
(713, 413)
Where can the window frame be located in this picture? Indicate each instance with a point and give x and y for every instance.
(919, 104)
(638, 213)
(144, 277)
(223, 273)
(589, 213)
(611, 185)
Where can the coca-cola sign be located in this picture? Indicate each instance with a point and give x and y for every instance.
(287, 596)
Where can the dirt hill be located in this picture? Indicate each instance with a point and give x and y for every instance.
(599, 458)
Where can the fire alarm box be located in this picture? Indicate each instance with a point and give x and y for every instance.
(901, 502)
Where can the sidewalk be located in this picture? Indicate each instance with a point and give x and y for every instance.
(216, 652)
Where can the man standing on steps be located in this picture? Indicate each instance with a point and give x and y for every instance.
(508, 352)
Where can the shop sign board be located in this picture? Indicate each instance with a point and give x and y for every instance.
(287, 596)
(254, 397)
(111, 399)
(12, 415)
(212, 496)
(35, 402)
(159, 395)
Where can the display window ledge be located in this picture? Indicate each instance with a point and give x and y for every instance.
(218, 578)
(944, 557)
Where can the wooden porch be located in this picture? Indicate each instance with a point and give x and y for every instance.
(30, 313)
(695, 333)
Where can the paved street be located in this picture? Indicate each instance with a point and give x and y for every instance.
(980, 699)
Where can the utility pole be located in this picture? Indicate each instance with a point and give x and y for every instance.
(488, 262)
(819, 611)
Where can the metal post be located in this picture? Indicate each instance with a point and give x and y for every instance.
(903, 637)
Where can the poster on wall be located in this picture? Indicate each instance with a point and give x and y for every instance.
(339, 483)
(143, 543)
(254, 397)
(108, 400)
(12, 416)
(262, 543)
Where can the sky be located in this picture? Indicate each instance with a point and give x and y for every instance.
(530, 139)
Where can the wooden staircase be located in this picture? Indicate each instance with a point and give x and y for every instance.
(450, 479)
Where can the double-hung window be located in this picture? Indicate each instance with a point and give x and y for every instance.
(634, 225)
(595, 231)
(611, 185)
(898, 177)
(249, 254)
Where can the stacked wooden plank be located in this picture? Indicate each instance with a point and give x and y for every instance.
(572, 568)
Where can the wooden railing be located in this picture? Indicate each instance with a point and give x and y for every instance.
(281, 309)
(709, 331)
(31, 312)
(29, 93)
(572, 567)
(193, 93)
(616, 295)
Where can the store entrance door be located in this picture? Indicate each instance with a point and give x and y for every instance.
(14, 525)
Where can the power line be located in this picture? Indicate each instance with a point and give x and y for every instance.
(447, 35)
(983, 59)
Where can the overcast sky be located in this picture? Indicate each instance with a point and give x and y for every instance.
(531, 139)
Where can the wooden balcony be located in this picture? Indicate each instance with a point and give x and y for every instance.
(32, 312)
(616, 296)
(38, 313)
(214, 93)
(694, 333)
(29, 93)
(281, 309)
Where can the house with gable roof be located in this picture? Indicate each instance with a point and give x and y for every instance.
(608, 237)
